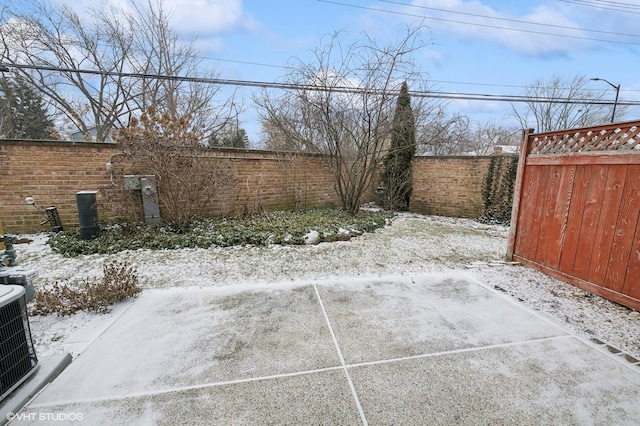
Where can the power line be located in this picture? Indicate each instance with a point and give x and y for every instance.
(479, 24)
(466, 83)
(246, 62)
(624, 10)
(518, 21)
(521, 86)
(318, 88)
(605, 3)
(618, 3)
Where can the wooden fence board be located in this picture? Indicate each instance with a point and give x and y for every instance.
(593, 202)
(607, 224)
(574, 221)
(558, 225)
(526, 211)
(625, 231)
(538, 211)
(631, 286)
(549, 229)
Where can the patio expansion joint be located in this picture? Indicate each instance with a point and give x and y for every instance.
(459, 351)
(174, 389)
(344, 367)
(343, 364)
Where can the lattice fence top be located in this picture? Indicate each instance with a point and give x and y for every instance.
(618, 137)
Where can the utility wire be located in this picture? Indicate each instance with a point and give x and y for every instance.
(618, 3)
(332, 89)
(260, 64)
(480, 25)
(518, 21)
(599, 6)
(468, 83)
(520, 86)
(600, 3)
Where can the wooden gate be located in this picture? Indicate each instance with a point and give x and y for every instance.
(576, 210)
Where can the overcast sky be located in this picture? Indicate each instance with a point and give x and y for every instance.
(484, 46)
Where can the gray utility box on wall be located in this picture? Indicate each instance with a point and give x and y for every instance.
(146, 184)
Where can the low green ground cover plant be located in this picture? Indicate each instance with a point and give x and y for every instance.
(279, 227)
(119, 282)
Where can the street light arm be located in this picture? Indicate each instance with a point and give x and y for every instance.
(608, 82)
(617, 88)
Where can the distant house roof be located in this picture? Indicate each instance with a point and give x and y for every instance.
(505, 149)
(91, 137)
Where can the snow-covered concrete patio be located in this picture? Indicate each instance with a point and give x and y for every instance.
(430, 348)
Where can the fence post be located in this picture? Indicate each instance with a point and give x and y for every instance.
(517, 192)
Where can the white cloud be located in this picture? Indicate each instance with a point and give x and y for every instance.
(204, 17)
(433, 57)
(210, 43)
(208, 20)
(474, 20)
(208, 17)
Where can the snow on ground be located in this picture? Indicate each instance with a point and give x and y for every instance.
(412, 244)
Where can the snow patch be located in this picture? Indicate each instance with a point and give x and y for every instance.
(412, 244)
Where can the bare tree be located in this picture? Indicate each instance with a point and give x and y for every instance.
(486, 136)
(444, 133)
(158, 51)
(557, 104)
(48, 45)
(274, 139)
(344, 106)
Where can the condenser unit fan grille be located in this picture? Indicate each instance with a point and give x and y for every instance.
(17, 354)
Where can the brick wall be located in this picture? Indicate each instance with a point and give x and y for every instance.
(50, 172)
(53, 172)
(448, 186)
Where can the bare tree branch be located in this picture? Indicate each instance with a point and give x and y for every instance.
(61, 38)
(159, 51)
(113, 43)
(351, 128)
(549, 116)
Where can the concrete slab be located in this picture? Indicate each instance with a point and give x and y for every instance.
(410, 316)
(557, 381)
(293, 400)
(183, 338)
(432, 349)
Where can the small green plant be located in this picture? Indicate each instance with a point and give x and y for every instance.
(119, 282)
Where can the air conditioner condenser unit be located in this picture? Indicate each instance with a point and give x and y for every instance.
(17, 354)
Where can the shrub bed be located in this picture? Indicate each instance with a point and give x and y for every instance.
(281, 227)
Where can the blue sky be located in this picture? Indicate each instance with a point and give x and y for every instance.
(262, 36)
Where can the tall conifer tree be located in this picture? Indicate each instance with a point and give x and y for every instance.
(22, 113)
(396, 174)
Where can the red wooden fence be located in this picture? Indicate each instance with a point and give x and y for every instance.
(576, 210)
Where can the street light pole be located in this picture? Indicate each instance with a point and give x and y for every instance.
(615, 103)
